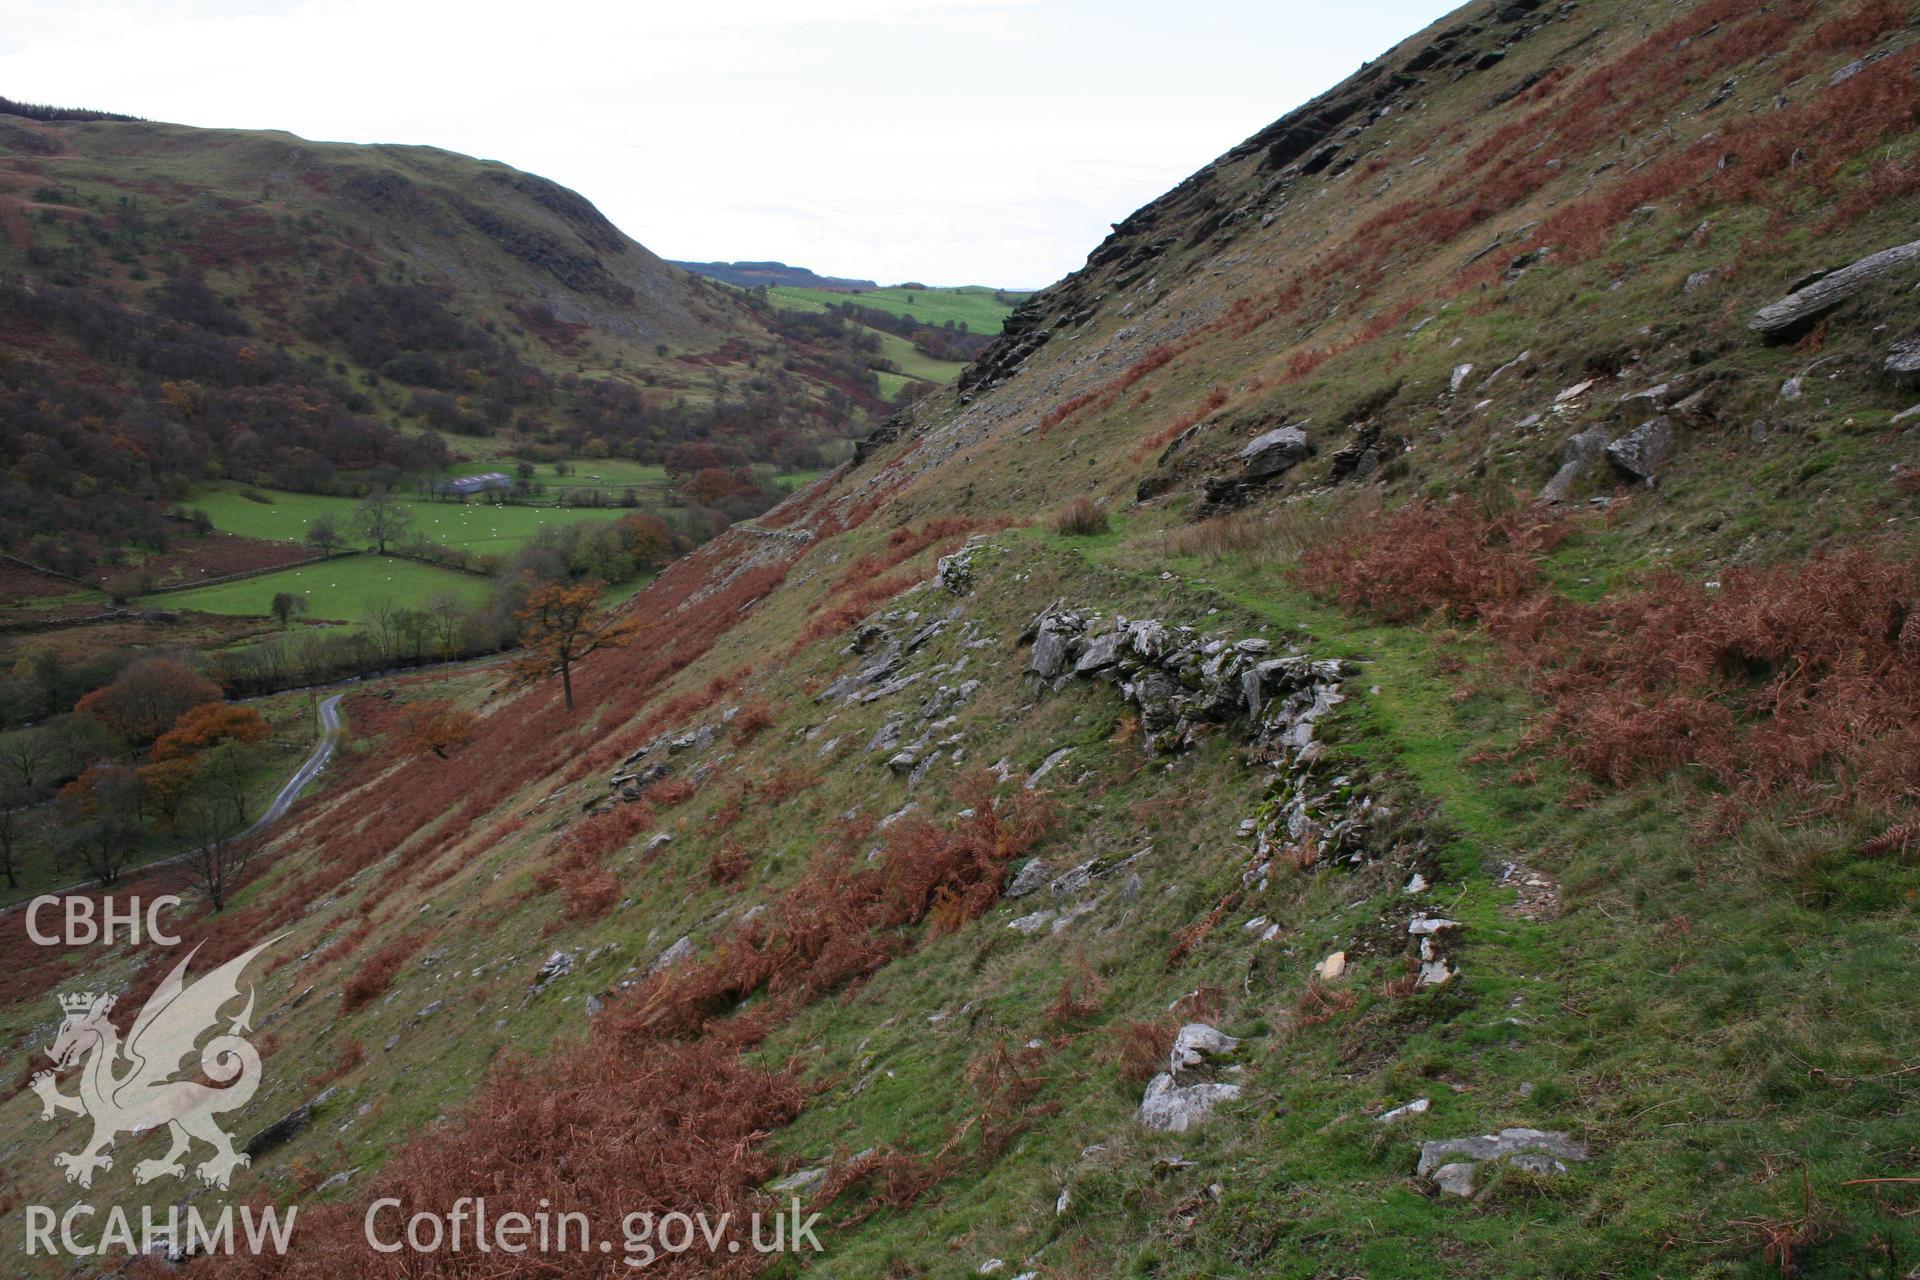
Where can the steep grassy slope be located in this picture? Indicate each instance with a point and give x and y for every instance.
(1650, 749)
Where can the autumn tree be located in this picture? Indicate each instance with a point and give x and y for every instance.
(434, 728)
(39, 672)
(383, 518)
(561, 624)
(209, 724)
(76, 741)
(324, 535)
(649, 539)
(147, 697)
(29, 760)
(165, 785)
(709, 485)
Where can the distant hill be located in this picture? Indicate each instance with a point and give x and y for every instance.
(748, 275)
(181, 305)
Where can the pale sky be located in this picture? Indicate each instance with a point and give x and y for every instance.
(946, 141)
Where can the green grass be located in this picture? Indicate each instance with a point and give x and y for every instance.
(903, 353)
(341, 588)
(914, 363)
(474, 526)
(971, 305)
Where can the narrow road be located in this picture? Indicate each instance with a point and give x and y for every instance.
(282, 801)
(308, 770)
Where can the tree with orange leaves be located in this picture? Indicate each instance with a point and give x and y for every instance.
(434, 728)
(649, 540)
(561, 624)
(166, 784)
(207, 724)
(147, 697)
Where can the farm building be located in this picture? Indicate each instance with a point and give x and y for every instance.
(465, 486)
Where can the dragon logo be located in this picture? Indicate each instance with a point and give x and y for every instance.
(131, 1088)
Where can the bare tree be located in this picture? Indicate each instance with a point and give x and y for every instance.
(449, 614)
(29, 761)
(98, 817)
(13, 802)
(324, 535)
(415, 630)
(214, 820)
(383, 518)
(383, 619)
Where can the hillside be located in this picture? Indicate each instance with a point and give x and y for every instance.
(751, 275)
(190, 304)
(1370, 732)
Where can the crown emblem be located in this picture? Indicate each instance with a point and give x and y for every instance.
(81, 1001)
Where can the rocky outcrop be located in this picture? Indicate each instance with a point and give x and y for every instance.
(1436, 970)
(1643, 452)
(884, 434)
(1364, 454)
(1180, 680)
(1263, 460)
(1800, 310)
(1903, 362)
(571, 267)
(289, 1126)
(1024, 332)
(1452, 1163)
(1577, 457)
(1170, 1106)
(673, 955)
(955, 572)
(1197, 1042)
(1274, 452)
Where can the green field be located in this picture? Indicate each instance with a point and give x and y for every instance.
(915, 364)
(475, 526)
(971, 305)
(339, 589)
